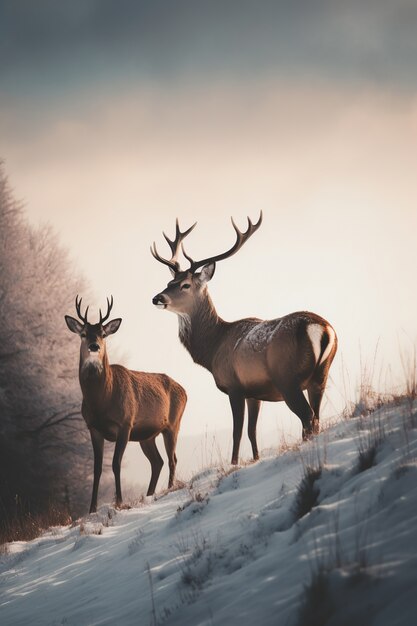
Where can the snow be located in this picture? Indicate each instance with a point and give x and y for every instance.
(229, 548)
(261, 335)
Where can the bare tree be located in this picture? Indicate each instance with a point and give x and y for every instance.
(44, 445)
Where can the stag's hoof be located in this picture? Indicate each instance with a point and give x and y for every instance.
(123, 507)
(308, 432)
(311, 429)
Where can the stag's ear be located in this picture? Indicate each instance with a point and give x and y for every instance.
(111, 327)
(207, 273)
(74, 325)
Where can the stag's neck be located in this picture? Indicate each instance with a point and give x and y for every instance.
(201, 332)
(96, 380)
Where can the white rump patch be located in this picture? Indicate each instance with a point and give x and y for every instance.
(327, 351)
(315, 332)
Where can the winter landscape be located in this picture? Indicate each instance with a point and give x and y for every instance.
(321, 533)
(117, 119)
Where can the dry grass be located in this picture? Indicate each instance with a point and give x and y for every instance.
(177, 486)
(409, 365)
(196, 561)
(371, 435)
(370, 395)
(307, 492)
(313, 458)
(336, 574)
(197, 500)
(25, 526)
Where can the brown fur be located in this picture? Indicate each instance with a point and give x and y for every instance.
(251, 360)
(122, 405)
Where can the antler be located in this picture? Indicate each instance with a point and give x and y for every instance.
(241, 238)
(109, 308)
(83, 318)
(175, 244)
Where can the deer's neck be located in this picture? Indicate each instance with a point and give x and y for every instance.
(201, 332)
(96, 380)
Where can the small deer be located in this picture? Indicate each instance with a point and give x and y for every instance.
(251, 360)
(122, 405)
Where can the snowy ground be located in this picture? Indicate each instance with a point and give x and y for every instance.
(326, 534)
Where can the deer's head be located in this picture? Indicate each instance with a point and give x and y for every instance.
(188, 286)
(93, 345)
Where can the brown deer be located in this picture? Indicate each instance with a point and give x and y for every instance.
(121, 405)
(251, 359)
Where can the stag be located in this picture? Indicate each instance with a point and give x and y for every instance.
(122, 405)
(250, 359)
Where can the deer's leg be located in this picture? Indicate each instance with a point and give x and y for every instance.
(237, 402)
(315, 392)
(97, 440)
(121, 443)
(253, 412)
(151, 452)
(170, 441)
(296, 401)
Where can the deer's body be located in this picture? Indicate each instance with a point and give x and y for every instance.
(144, 402)
(122, 405)
(255, 356)
(251, 360)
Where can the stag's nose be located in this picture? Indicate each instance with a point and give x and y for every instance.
(159, 300)
(94, 347)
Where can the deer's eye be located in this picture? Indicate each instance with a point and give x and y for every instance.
(83, 335)
(185, 286)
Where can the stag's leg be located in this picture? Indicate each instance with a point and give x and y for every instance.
(237, 402)
(97, 440)
(317, 387)
(315, 392)
(296, 401)
(151, 452)
(253, 412)
(121, 443)
(170, 441)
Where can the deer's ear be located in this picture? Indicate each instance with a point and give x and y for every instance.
(73, 324)
(207, 273)
(111, 327)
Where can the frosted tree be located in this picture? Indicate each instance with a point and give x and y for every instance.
(45, 455)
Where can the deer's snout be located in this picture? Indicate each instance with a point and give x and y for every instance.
(160, 300)
(94, 347)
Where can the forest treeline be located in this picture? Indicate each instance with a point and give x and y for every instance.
(45, 450)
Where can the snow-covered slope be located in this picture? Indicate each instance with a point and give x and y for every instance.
(324, 534)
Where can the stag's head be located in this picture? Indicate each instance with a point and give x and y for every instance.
(188, 286)
(93, 345)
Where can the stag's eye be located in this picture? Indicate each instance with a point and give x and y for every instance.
(83, 335)
(185, 286)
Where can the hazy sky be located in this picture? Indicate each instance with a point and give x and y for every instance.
(116, 117)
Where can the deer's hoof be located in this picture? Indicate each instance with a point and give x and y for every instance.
(311, 429)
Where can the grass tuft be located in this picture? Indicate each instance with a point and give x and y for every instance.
(307, 492)
(318, 605)
(27, 526)
(196, 563)
(371, 435)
